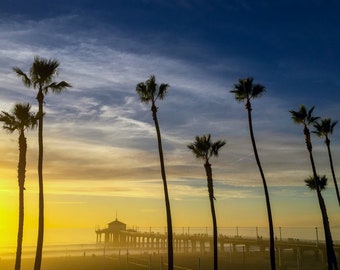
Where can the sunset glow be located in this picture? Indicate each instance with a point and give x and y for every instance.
(100, 150)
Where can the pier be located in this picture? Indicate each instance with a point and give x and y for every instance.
(117, 235)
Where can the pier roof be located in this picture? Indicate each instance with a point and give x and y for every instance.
(116, 222)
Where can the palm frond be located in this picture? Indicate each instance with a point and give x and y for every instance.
(203, 148)
(310, 118)
(240, 96)
(56, 88)
(162, 91)
(142, 92)
(319, 130)
(258, 91)
(216, 147)
(196, 151)
(41, 75)
(8, 121)
(200, 147)
(333, 124)
(299, 117)
(320, 182)
(324, 128)
(240, 91)
(149, 91)
(19, 119)
(43, 70)
(151, 88)
(26, 81)
(245, 89)
(310, 111)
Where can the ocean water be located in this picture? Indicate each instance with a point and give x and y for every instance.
(63, 250)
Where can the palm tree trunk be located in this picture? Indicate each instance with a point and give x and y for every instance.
(331, 258)
(21, 182)
(269, 212)
(166, 195)
(332, 169)
(208, 170)
(38, 256)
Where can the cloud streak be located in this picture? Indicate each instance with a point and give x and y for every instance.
(100, 140)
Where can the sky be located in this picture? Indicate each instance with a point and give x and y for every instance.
(100, 149)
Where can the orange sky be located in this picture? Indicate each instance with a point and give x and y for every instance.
(84, 189)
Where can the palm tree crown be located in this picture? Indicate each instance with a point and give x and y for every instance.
(246, 90)
(304, 117)
(203, 148)
(320, 181)
(19, 119)
(150, 92)
(324, 128)
(41, 74)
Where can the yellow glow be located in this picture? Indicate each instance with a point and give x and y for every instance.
(8, 214)
(86, 185)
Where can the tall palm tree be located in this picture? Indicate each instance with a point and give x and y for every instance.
(305, 118)
(323, 130)
(246, 90)
(20, 119)
(150, 92)
(40, 77)
(204, 149)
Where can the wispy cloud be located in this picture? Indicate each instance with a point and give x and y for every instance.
(99, 130)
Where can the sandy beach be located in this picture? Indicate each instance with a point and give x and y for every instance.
(238, 261)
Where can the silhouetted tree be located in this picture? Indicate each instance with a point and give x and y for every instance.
(150, 92)
(320, 182)
(20, 119)
(323, 130)
(245, 90)
(305, 118)
(203, 148)
(40, 77)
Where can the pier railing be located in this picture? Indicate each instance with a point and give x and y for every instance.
(312, 233)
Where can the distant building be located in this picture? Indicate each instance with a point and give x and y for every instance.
(118, 235)
(113, 233)
(116, 226)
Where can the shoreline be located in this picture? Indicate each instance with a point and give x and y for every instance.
(232, 261)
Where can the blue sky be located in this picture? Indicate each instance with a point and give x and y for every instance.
(99, 131)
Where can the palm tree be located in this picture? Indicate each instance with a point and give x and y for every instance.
(321, 182)
(40, 77)
(305, 118)
(20, 119)
(323, 130)
(204, 149)
(150, 92)
(245, 90)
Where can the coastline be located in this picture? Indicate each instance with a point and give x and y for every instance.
(71, 256)
(185, 261)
